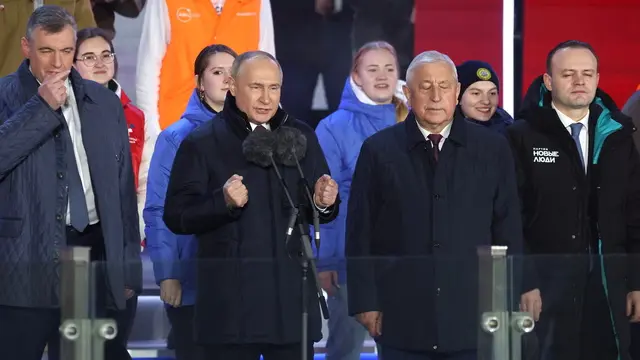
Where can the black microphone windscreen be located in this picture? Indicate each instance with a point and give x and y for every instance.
(259, 146)
(291, 144)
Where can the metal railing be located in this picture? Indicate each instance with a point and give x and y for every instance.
(83, 337)
(501, 338)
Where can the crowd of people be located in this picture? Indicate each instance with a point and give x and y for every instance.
(215, 161)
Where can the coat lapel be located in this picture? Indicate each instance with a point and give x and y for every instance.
(104, 155)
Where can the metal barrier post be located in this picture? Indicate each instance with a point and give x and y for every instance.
(501, 338)
(82, 337)
(493, 301)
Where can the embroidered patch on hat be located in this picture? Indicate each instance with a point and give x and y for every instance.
(483, 74)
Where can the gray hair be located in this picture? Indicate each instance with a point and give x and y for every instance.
(250, 55)
(51, 19)
(429, 57)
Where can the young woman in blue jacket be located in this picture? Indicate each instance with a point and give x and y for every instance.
(371, 101)
(173, 256)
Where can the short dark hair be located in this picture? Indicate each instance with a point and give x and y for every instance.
(90, 33)
(50, 18)
(250, 55)
(569, 44)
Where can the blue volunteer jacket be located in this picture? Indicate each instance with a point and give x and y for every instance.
(171, 253)
(341, 135)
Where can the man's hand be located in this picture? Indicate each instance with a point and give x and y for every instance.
(171, 292)
(531, 302)
(325, 192)
(633, 306)
(128, 294)
(329, 281)
(324, 7)
(372, 321)
(53, 90)
(235, 193)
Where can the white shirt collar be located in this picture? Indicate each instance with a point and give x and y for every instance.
(118, 90)
(567, 121)
(445, 132)
(254, 126)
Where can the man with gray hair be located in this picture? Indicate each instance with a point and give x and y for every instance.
(66, 179)
(249, 299)
(425, 194)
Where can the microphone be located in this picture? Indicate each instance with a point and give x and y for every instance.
(291, 147)
(258, 148)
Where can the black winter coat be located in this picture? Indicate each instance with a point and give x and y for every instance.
(568, 214)
(414, 228)
(249, 288)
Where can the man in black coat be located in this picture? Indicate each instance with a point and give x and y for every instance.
(426, 194)
(579, 179)
(249, 300)
(66, 179)
(632, 109)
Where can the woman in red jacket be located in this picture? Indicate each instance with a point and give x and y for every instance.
(96, 60)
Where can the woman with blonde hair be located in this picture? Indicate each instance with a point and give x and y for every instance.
(372, 100)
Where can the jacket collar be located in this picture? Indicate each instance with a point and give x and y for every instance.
(30, 83)
(458, 134)
(536, 109)
(239, 122)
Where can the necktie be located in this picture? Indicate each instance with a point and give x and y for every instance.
(77, 201)
(575, 134)
(435, 142)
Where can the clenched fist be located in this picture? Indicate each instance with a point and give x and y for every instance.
(325, 192)
(235, 193)
(53, 89)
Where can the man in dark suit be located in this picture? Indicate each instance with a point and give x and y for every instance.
(425, 194)
(579, 178)
(66, 179)
(249, 279)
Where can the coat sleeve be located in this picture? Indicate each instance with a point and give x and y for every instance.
(506, 225)
(23, 131)
(191, 208)
(129, 211)
(328, 253)
(528, 277)
(162, 244)
(150, 137)
(361, 214)
(84, 14)
(633, 219)
(320, 168)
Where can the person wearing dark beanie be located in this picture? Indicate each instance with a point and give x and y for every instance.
(479, 96)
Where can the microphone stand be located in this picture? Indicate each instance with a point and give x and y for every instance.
(305, 256)
(316, 214)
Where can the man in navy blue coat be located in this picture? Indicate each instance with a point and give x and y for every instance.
(66, 179)
(249, 294)
(425, 194)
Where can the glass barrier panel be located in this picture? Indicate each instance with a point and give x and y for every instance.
(586, 304)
